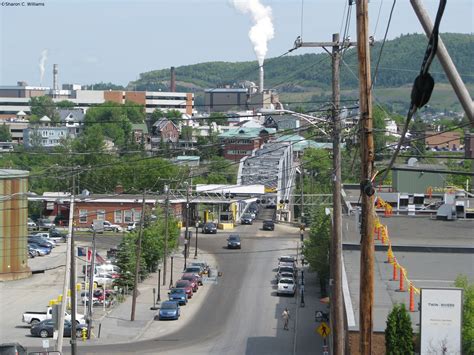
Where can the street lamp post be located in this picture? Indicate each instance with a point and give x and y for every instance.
(171, 274)
(196, 241)
(159, 277)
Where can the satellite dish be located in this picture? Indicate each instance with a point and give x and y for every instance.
(412, 161)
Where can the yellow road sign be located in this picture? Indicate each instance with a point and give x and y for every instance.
(323, 330)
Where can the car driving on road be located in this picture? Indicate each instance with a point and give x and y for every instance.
(233, 242)
(246, 219)
(268, 225)
(209, 228)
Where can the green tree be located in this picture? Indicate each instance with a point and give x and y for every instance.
(44, 106)
(418, 128)
(316, 248)
(65, 104)
(187, 133)
(174, 116)
(5, 135)
(319, 165)
(467, 314)
(399, 332)
(379, 116)
(156, 115)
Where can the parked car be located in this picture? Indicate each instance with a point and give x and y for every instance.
(109, 227)
(32, 318)
(196, 270)
(203, 265)
(169, 310)
(287, 259)
(286, 286)
(58, 235)
(178, 295)
(40, 250)
(132, 226)
(246, 219)
(32, 252)
(47, 236)
(32, 225)
(268, 225)
(283, 269)
(209, 228)
(187, 287)
(45, 224)
(45, 329)
(193, 279)
(287, 275)
(42, 241)
(103, 280)
(233, 242)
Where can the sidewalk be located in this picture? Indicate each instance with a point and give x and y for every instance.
(307, 340)
(116, 327)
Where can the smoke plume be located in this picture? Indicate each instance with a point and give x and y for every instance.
(262, 31)
(42, 62)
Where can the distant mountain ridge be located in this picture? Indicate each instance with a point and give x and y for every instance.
(400, 63)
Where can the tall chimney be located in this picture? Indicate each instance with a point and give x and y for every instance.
(55, 77)
(173, 80)
(261, 79)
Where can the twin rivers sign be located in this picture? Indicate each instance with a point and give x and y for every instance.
(441, 320)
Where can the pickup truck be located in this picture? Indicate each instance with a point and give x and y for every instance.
(36, 317)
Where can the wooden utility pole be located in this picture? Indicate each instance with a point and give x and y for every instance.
(67, 273)
(366, 290)
(337, 304)
(90, 296)
(165, 256)
(72, 280)
(137, 263)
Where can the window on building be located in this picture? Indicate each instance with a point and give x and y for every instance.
(118, 216)
(127, 216)
(136, 216)
(82, 216)
(101, 215)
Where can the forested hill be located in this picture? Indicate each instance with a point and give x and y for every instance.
(400, 63)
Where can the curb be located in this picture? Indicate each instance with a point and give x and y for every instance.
(416, 248)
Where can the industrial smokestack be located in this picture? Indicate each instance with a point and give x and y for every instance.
(55, 77)
(261, 80)
(173, 80)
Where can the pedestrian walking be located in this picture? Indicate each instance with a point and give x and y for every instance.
(286, 317)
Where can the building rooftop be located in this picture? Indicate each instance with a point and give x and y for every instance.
(246, 132)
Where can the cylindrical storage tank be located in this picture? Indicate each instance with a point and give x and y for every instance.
(13, 224)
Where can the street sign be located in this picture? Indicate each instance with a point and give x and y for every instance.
(323, 330)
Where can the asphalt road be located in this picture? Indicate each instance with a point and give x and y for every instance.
(243, 314)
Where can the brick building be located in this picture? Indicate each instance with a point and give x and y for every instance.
(240, 142)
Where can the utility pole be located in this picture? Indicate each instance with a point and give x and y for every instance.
(137, 263)
(366, 290)
(165, 256)
(337, 306)
(302, 195)
(90, 296)
(186, 233)
(336, 259)
(72, 280)
(59, 344)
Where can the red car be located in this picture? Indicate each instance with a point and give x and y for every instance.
(187, 287)
(191, 278)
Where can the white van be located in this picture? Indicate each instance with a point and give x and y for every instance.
(107, 269)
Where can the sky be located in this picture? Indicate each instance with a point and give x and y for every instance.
(115, 40)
